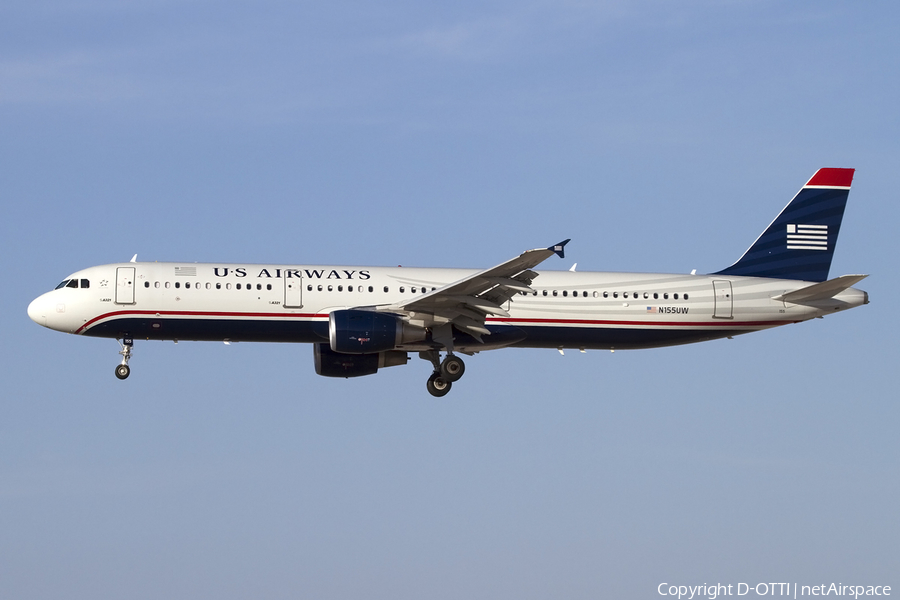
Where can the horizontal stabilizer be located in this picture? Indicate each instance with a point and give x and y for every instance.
(822, 291)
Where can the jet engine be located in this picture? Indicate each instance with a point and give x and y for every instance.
(336, 364)
(365, 332)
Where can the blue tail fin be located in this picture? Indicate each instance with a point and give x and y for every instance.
(800, 241)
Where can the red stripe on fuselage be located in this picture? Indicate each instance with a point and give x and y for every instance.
(723, 323)
(509, 320)
(175, 313)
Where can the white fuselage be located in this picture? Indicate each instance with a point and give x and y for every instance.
(246, 302)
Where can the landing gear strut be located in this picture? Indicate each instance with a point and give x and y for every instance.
(445, 372)
(123, 370)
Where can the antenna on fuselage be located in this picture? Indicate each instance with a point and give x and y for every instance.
(133, 258)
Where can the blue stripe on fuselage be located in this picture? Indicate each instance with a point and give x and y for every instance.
(309, 331)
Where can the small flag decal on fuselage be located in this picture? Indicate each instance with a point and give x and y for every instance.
(652, 310)
(807, 237)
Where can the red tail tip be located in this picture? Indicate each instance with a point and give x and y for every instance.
(832, 177)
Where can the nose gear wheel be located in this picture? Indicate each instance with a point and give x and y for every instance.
(123, 370)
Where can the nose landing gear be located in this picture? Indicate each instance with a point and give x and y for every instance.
(445, 372)
(123, 370)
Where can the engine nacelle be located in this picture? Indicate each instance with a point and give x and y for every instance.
(337, 364)
(366, 332)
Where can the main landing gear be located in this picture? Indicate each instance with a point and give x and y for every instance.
(445, 372)
(123, 370)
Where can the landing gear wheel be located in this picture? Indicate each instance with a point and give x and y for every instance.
(438, 386)
(123, 371)
(452, 368)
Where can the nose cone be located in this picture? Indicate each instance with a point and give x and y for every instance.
(37, 310)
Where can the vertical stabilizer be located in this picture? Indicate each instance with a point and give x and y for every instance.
(799, 244)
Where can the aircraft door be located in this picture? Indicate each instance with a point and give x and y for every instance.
(125, 285)
(724, 303)
(293, 291)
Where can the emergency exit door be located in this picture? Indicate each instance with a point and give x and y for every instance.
(724, 302)
(293, 292)
(125, 285)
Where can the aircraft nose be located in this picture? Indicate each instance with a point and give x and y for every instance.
(37, 310)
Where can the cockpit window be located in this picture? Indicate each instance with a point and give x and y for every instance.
(85, 283)
(73, 283)
(62, 285)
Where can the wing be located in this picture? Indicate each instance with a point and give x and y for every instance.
(466, 303)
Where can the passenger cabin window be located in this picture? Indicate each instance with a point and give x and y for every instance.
(685, 296)
(146, 284)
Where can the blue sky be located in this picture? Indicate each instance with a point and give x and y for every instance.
(658, 136)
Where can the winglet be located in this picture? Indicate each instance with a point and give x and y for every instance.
(560, 248)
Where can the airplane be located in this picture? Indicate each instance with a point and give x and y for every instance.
(360, 319)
